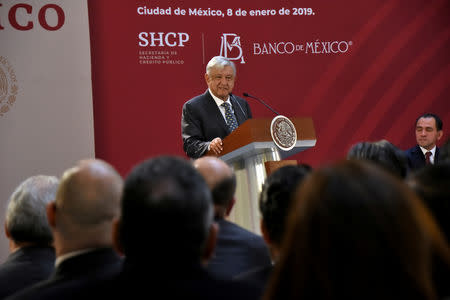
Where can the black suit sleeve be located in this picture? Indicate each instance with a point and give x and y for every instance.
(194, 143)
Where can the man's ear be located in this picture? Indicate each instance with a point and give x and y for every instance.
(230, 206)
(116, 237)
(51, 214)
(210, 245)
(264, 232)
(8, 235)
(440, 134)
(206, 78)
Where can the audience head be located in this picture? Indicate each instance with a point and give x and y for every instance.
(428, 130)
(87, 202)
(167, 214)
(26, 219)
(275, 201)
(355, 231)
(432, 184)
(382, 153)
(222, 182)
(444, 152)
(305, 166)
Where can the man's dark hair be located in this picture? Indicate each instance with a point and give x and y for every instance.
(436, 118)
(166, 211)
(275, 198)
(382, 153)
(224, 190)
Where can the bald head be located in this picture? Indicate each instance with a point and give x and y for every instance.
(214, 170)
(221, 180)
(87, 201)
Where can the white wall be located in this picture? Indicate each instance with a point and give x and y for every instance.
(50, 125)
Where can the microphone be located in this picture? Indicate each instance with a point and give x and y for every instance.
(250, 96)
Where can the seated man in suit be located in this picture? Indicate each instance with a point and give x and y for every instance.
(238, 250)
(32, 257)
(81, 219)
(208, 118)
(428, 132)
(275, 204)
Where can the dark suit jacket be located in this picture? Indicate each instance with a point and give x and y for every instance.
(237, 250)
(259, 276)
(75, 275)
(202, 121)
(166, 278)
(416, 159)
(25, 267)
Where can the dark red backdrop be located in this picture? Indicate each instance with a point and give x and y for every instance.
(397, 66)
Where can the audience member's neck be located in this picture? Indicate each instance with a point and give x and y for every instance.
(14, 246)
(63, 247)
(220, 213)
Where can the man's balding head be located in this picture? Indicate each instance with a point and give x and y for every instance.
(90, 192)
(214, 170)
(87, 202)
(221, 180)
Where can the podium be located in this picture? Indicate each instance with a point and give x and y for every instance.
(247, 149)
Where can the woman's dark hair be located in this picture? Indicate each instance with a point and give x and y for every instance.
(355, 232)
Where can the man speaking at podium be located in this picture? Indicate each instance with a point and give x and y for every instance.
(208, 118)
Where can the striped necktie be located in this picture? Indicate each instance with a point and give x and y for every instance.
(427, 157)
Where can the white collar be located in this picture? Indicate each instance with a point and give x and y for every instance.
(219, 101)
(433, 151)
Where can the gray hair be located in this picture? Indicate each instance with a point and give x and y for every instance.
(26, 214)
(219, 62)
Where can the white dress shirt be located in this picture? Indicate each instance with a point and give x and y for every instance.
(433, 151)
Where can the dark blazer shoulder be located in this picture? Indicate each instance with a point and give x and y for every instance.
(75, 275)
(202, 109)
(415, 158)
(436, 155)
(25, 267)
(237, 250)
(237, 231)
(199, 100)
(415, 149)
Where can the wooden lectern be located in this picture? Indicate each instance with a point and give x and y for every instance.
(247, 149)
